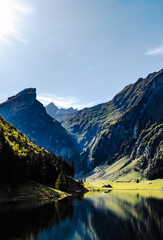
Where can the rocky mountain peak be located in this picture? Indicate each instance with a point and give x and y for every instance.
(52, 107)
(27, 91)
(28, 94)
(59, 113)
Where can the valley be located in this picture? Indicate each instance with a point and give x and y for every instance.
(81, 120)
(118, 140)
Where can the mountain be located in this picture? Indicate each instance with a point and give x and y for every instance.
(128, 127)
(22, 160)
(87, 123)
(119, 139)
(30, 117)
(59, 114)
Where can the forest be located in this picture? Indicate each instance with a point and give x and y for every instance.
(21, 160)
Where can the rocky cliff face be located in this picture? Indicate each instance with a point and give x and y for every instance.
(59, 113)
(112, 134)
(30, 117)
(123, 136)
(87, 123)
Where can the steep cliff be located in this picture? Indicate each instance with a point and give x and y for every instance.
(30, 117)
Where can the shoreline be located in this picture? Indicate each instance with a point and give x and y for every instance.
(29, 195)
(32, 194)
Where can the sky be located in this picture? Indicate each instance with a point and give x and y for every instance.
(78, 53)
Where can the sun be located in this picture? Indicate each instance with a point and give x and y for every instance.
(11, 13)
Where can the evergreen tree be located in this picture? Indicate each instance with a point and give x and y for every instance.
(61, 182)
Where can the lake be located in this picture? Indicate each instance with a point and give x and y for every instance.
(112, 215)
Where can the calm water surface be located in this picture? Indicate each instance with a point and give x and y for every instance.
(118, 215)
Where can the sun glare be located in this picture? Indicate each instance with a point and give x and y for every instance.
(11, 12)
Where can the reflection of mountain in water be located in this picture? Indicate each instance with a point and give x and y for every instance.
(121, 215)
(115, 215)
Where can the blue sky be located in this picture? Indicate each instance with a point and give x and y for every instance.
(78, 52)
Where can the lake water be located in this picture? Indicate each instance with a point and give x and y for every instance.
(115, 215)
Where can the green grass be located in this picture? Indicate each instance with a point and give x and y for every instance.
(122, 169)
(143, 185)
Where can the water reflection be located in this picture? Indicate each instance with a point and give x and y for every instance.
(126, 215)
(29, 223)
(113, 215)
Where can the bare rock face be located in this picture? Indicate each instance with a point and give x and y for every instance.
(110, 131)
(87, 123)
(30, 117)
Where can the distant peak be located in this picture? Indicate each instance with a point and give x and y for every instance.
(52, 106)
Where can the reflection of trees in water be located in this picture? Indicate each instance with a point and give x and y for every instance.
(141, 221)
(100, 217)
(25, 224)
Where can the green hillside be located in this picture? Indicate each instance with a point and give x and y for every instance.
(21, 159)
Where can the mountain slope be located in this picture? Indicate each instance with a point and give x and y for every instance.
(59, 113)
(21, 159)
(113, 131)
(137, 134)
(30, 117)
(143, 161)
(87, 123)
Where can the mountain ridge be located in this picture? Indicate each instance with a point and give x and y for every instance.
(139, 106)
(87, 123)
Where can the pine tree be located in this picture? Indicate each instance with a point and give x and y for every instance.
(61, 182)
